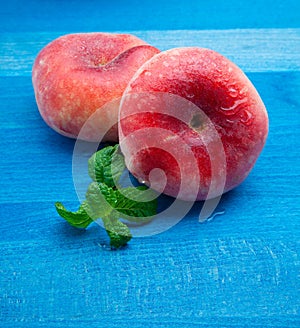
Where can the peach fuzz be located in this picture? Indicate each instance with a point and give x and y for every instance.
(77, 74)
(198, 98)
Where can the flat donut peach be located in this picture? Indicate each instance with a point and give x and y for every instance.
(77, 74)
(193, 114)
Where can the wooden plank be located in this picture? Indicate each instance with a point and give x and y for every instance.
(254, 50)
(98, 15)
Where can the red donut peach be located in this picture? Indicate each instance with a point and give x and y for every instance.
(193, 114)
(77, 74)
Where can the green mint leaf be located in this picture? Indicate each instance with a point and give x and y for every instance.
(78, 219)
(99, 198)
(135, 204)
(117, 231)
(131, 203)
(106, 165)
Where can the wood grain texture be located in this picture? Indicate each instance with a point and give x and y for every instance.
(254, 50)
(239, 270)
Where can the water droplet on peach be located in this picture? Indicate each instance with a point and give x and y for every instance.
(140, 180)
(235, 108)
(246, 117)
(190, 95)
(233, 93)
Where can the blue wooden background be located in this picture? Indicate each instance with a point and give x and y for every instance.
(239, 270)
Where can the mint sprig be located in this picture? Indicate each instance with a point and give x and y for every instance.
(106, 199)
